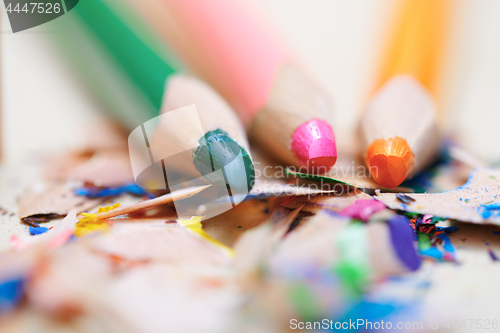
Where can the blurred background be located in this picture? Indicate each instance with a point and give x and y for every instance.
(45, 107)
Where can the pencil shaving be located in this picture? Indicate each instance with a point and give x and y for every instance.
(161, 200)
(51, 200)
(472, 202)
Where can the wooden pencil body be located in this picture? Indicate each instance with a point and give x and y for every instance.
(399, 128)
(294, 99)
(403, 108)
(212, 113)
(197, 134)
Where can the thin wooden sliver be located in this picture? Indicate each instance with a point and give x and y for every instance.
(170, 197)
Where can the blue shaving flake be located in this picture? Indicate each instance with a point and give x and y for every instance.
(496, 232)
(492, 255)
(406, 199)
(432, 252)
(447, 230)
(489, 210)
(447, 244)
(424, 181)
(369, 311)
(95, 192)
(448, 251)
(38, 231)
(11, 292)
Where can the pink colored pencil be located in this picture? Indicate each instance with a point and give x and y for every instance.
(285, 112)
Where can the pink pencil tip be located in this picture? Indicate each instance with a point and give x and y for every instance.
(313, 144)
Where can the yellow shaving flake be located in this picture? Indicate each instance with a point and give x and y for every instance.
(194, 226)
(90, 223)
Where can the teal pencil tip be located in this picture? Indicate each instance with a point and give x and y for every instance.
(222, 160)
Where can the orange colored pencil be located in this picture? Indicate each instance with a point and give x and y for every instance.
(399, 128)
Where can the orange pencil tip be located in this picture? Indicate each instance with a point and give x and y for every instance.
(389, 161)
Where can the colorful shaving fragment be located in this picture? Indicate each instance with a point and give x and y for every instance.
(353, 268)
(402, 240)
(102, 192)
(194, 226)
(304, 302)
(11, 292)
(287, 200)
(436, 219)
(363, 209)
(430, 236)
(63, 231)
(427, 218)
(37, 230)
(16, 243)
(492, 255)
(405, 198)
(294, 224)
(369, 311)
(424, 182)
(90, 223)
(488, 210)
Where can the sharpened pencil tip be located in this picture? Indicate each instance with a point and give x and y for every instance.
(218, 151)
(389, 161)
(313, 144)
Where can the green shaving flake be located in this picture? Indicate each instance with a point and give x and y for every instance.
(315, 178)
(467, 200)
(353, 268)
(424, 242)
(436, 219)
(304, 302)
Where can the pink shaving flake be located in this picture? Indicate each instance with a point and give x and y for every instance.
(426, 218)
(363, 209)
(17, 243)
(60, 239)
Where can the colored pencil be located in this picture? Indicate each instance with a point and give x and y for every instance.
(399, 128)
(115, 50)
(284, 110)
